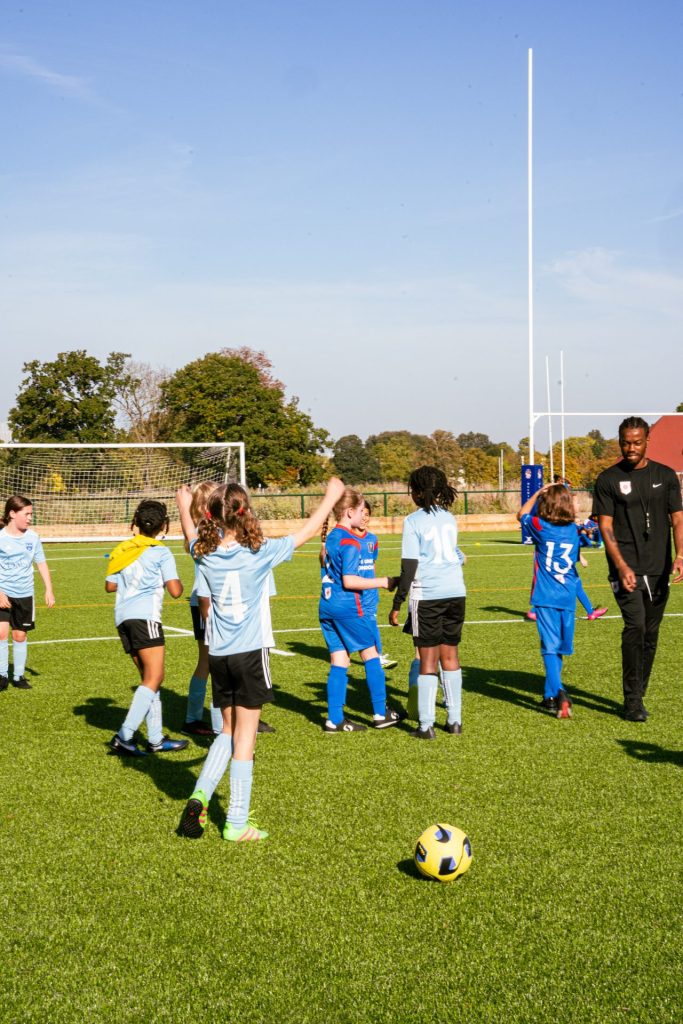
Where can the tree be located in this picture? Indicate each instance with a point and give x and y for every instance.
(353, 462)
(679, 407)
(444, 452)
(474, 440)
(231, 396)
(138, 400)
(69, 400)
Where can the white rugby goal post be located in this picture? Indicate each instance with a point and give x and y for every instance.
(90, 491)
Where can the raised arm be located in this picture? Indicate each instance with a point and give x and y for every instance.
(183, 499)
(313, 525)
(530, 502)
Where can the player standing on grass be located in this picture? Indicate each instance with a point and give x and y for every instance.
(553, 591)
(637, 502)
(20, 548)
(347, 624)
(431, 574)
(139, 571)
(235, 562)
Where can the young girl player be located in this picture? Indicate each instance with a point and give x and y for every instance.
(20, 549)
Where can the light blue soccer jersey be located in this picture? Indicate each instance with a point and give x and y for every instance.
(238, 581)
(432, 539)
(17, 555)
(557, 551)
(140, 586)
(369, 550)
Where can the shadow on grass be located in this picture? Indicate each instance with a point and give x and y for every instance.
(408, 867)
(526, 689)
(653, 753)
(504, 610)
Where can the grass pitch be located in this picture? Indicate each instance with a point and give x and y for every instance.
(571, 911)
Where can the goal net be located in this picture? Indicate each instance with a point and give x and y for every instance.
(90, 492)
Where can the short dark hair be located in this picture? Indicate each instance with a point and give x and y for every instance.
(634, 423)
(151, 518)
(431, 489)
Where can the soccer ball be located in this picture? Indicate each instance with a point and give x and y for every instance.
(443, 853)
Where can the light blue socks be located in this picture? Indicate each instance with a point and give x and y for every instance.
(19, 653)
(155, 731)
(426, 700)
(196, 695)
(4, 657)
(216, 762)
(140, 705)
(241, 774)
(452, 688)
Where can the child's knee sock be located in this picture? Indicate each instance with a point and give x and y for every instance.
(139, 706)
(336, 694)
(426, 700)
(19, 653)
(553, 679)
(413, 674)
(241, 774)
(216, 720)
(4, 657)
(155, 730)
(584, 599)
(452, 688)
(374, 673)
(196, 695)
(216, 762)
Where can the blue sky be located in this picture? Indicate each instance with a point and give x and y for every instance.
(344, 187)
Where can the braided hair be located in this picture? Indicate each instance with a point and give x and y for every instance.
(430, 488)
(634, 423)
(151, 518)
(228, 511)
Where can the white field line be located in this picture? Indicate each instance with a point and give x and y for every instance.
(179, 634)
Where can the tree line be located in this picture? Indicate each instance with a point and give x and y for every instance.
(233, 395)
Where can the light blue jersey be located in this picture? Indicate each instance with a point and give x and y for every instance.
(432, 539)
(140, 586)
(238, 582)
(17, 555)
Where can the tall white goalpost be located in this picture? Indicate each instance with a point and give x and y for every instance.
(90, 491)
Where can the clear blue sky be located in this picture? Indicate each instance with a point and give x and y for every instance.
(344, 187)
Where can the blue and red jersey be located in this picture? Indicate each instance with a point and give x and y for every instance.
(343, 557)
(369, 552)
(557, 551)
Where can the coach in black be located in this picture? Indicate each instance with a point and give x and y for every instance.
(637, 502)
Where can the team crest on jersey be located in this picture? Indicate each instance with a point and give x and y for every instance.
(327, 593)
(372, 547)
(625, 486)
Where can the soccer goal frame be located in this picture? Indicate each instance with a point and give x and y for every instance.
(89, 491)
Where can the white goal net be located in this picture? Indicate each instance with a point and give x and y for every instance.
(90, 492)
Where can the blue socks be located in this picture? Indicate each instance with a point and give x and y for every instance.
(155, 732)
(452, 688)
(336, 694)
(196, 695)
(216, 762)
(241, 774)
(374, 673)
(19, 653)
(584, 598)
(413, 674)
(426, 700)
(140, 705)
(553, 678)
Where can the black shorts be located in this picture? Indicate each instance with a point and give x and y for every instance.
(437, 622)
(139, 634)
(198, 624)
(241, 680)
(20, 614)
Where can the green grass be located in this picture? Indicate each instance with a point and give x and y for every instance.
(571, 911)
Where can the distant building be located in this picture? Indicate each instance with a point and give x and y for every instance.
(666, 442)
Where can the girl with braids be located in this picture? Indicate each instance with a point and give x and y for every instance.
(20, 548)
(432, 577)
(139, 571)
(235, 562)
(347, 623)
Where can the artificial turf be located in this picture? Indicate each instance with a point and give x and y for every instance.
(571, 910)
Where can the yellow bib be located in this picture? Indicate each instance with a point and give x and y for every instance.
(127, 551)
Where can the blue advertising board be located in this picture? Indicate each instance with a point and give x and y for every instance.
(532, 481)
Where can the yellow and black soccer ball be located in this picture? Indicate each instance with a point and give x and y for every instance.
(443, 853)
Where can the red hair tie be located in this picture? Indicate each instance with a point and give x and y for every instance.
(207, 514)
(239, 512)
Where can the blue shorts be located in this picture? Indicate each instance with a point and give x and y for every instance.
(349, 634)
(556, 629)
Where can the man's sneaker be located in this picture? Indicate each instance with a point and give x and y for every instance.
(197, 728)
(126, 748)
(346, 725)
(4, 683)
(387, 662)
(246, 834)
(264, 727)
(564, 705)
(165, 746)
(597, 613)
(22, 684)
(193, 821)
(390, 718)
(530, 616)
(454, 728)
(424, 734)
(635, 714)
(549, 704)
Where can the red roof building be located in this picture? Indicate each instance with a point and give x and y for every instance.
(666, 442)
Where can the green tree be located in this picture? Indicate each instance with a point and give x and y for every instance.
(353, 462)
(478, 468)
(474, 440)
(444, 452)
(231, 396)
(69, 400)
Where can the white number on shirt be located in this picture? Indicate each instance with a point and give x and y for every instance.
(560, 568)
(444, 541)
(230, 600)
